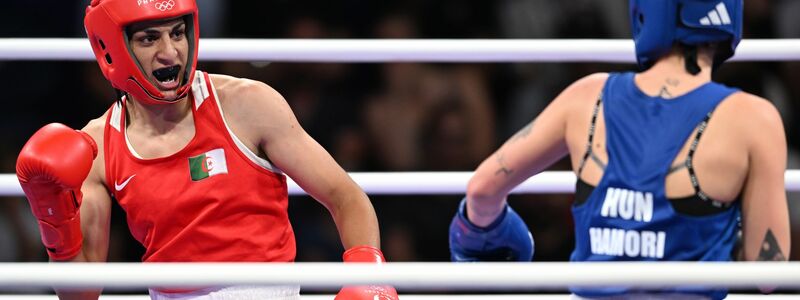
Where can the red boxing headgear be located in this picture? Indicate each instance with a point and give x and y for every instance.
(106, 21)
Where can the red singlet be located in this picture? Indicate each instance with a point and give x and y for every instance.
(212, 201)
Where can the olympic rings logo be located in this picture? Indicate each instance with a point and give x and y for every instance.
(165, 5)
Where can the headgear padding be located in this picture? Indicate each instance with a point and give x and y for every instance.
(658, 24)
(106, 21)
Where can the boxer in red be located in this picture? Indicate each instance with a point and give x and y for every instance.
(198, 162)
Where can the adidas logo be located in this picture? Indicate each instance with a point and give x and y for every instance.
(717, 16)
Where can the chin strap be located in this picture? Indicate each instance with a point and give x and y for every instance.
(120, 94)
(690, 59)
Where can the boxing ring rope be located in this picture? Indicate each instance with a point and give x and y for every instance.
(413, 276)
(487, 276)
(428, 183)
(417, 50)
(410, 50)
(412, 297)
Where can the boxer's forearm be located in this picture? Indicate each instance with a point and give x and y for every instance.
(356, 221)
(77, 294)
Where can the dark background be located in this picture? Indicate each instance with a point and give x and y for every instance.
(375, 117)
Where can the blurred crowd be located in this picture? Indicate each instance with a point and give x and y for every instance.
(376, 117)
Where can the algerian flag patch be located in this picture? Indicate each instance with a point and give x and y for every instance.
(208, 164)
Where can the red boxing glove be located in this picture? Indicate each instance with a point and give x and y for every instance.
(51, 169)
(365, 254)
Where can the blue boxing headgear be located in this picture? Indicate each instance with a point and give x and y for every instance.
(658, 24)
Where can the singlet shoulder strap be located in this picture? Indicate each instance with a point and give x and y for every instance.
(690, 166)
(589, 153)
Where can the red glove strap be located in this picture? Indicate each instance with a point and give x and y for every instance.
(63, 241)
(59, 220)
(371, 292)
(364, 253)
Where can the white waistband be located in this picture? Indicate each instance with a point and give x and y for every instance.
(233, 293)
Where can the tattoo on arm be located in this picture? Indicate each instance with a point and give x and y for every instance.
(524, 132)
(770, 250)
(503, 168)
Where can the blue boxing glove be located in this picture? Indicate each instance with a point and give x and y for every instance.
(506, 239)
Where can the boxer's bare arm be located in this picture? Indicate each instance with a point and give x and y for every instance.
(532, 149)
(95, 214)
(765, 217)
(260, 116)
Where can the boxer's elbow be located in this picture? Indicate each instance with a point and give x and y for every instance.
(484, 191)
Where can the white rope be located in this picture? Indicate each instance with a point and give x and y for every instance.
(383, 50)
(403, 297)
(428, 183)
(330, 297)
(416, 276)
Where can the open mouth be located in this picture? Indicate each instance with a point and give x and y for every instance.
(167, 77)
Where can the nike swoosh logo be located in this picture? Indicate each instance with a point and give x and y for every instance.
(120, 186)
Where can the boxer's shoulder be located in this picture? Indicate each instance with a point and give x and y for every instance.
(229, 88)
(584, 90)
(96, 126)
(743, 112)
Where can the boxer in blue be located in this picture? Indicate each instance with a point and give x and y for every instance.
(671, 166)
